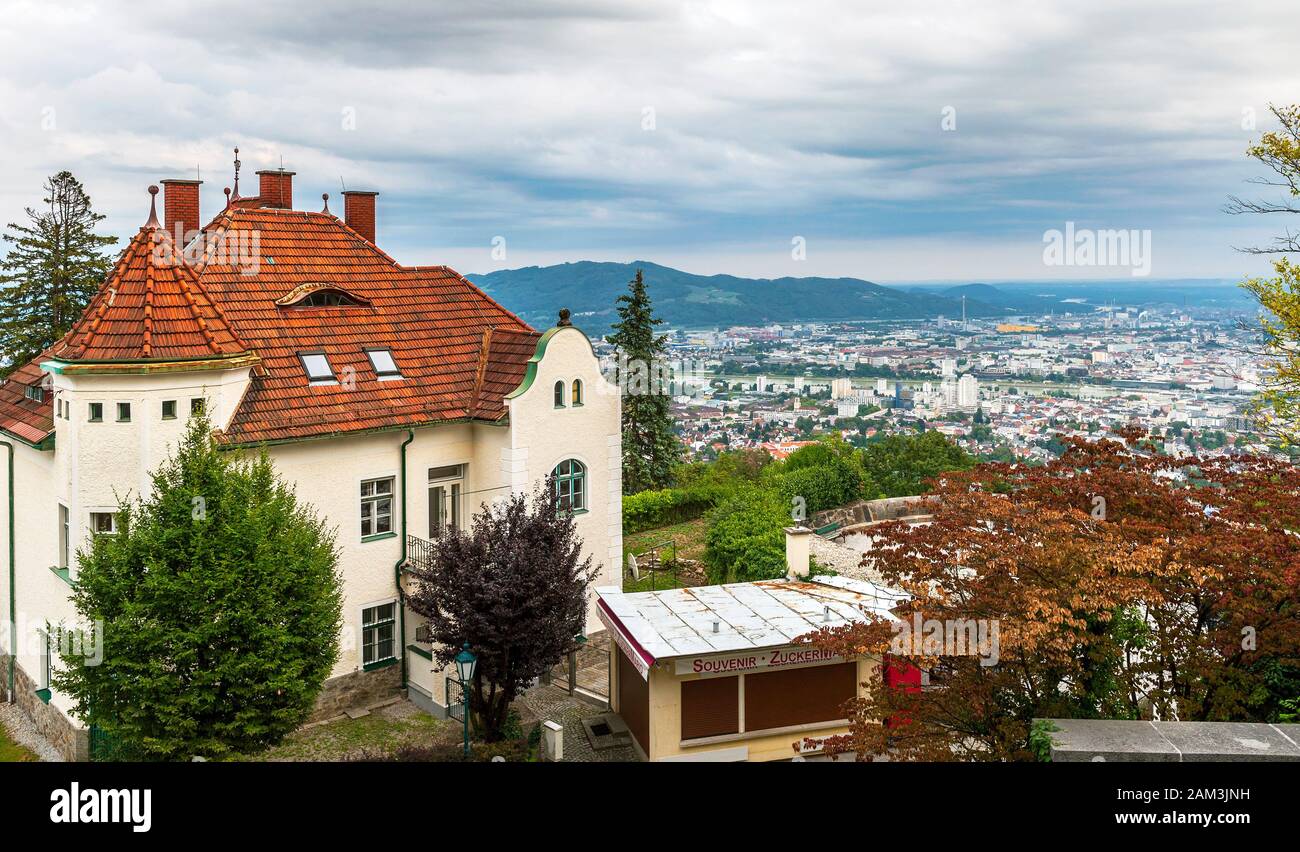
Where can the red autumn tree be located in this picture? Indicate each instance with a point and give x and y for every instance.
(1122, 583)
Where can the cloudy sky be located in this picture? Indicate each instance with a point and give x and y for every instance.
(705, 135)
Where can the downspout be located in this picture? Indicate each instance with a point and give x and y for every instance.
(13, 606)
(397, 568)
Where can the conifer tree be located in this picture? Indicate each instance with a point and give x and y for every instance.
(650, 447)
(53, 267)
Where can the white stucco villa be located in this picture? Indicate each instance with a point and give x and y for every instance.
(396, 399)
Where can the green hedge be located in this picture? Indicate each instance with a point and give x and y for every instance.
(650, 509)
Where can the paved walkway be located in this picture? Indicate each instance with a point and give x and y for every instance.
(552, 702)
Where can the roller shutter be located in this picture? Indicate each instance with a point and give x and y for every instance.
(710, 707)
(798, 696)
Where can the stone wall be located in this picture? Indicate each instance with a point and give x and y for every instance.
(71, 740)
(865, 511)
(359, 689)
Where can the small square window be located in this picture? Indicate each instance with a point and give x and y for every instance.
(103, 523)
(382, 361)
(197, 404)
(124, 412)
(317, 367)
(169, 409)
(97, 412)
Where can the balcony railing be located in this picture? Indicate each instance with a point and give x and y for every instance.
(419, 552)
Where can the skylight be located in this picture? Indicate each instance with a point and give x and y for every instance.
(317, 367)
(385, 366)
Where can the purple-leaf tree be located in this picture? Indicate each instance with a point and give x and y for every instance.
(515, 588)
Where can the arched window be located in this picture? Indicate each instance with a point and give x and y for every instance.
(559, 394)
(576, 396)
(571, 485)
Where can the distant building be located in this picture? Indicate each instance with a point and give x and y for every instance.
(968, 392)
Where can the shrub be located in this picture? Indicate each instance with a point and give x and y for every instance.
(745, 539)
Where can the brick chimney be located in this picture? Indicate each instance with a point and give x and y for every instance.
(181, 208)
(359, 212)
(275, 188)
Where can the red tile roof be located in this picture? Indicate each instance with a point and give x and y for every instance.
(150, 308)
(459, 352)
(27, 419)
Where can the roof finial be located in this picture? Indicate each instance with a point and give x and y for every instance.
(325, 196)
(564, 317)
(237, 165)
(227, 190)
(153, 208)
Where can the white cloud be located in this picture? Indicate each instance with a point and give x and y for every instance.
(526, 119)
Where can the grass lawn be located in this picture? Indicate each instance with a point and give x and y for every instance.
(11, 752)
(688, 539)
(383, 732)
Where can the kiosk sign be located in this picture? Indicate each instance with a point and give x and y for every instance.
(759, 658)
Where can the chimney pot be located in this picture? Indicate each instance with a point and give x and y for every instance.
(275, 188)
(359, 212)
(181, 209)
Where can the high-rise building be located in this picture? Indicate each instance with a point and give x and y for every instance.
(968, 391)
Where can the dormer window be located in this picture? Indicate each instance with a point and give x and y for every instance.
(320, 296)
(35, 392)
(385, 366)
(326, 299)
(318, 368)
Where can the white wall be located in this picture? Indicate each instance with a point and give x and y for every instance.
(542, 436)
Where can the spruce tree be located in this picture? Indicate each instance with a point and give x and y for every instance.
(219, 603)
(53, 267)
(650, 447)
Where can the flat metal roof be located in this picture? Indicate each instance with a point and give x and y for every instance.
(760, 614)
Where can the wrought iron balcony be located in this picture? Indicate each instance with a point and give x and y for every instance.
(419, 552)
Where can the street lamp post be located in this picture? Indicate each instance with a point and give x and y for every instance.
(466, 662)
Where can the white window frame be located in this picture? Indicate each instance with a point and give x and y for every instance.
(398, 647)
(362, 499)
(455, 486)
(65, 537)
(90, 522)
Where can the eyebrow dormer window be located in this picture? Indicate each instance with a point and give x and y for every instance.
(318, 368)
(327, 299)
(382, 361)
(320, 296)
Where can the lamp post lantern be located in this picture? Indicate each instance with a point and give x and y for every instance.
(466, 663)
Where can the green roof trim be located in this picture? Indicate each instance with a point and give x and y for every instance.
(531, 375)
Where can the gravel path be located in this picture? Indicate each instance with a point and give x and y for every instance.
(20, 729)
(843, 560)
